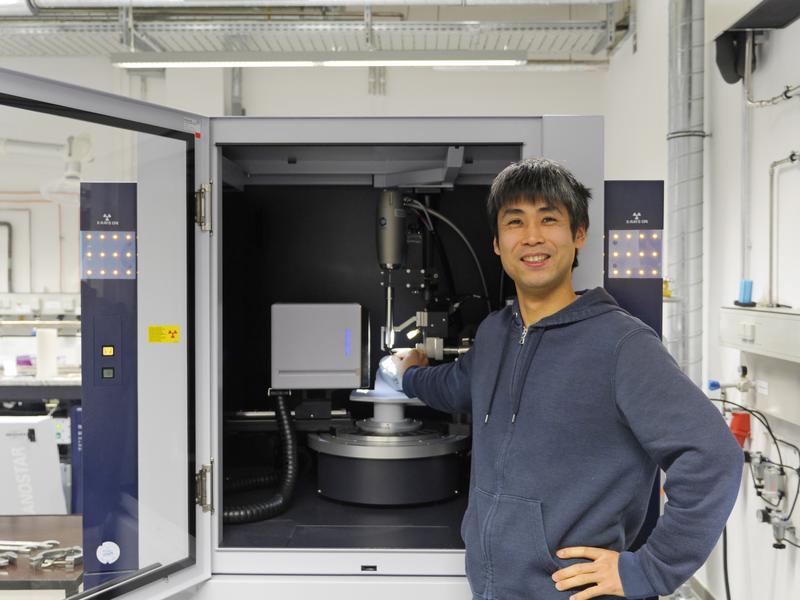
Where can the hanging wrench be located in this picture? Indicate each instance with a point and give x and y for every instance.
(26, 547)
(8, 558)
(61, 557)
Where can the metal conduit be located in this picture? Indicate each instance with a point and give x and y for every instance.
(790, 91)
(685, 184)
(34, 4)
(772, 294)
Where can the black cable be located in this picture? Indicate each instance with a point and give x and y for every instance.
(777, 464)
(791, 543)
(758, 492)
(725, 562)
(761, 419)
(454, 227)
(448, 272)
(765, 422)
(791, 445)
(279, 501)
(796, 494)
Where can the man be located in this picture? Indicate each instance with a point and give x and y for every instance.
(576, 405)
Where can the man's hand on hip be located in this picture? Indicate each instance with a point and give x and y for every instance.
(603, 571)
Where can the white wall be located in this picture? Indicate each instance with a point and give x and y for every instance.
(756, 569)
(422, 92)
(636, 100)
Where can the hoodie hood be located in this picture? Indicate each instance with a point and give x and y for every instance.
(588, 304)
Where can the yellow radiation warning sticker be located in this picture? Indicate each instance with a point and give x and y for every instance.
(163, 334)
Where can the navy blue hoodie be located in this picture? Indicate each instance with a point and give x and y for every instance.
(572, 418)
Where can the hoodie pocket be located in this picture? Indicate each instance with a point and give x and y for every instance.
(517, 550)
(475, 557)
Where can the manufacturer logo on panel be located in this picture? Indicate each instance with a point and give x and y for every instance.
(636, 219)
(107, 219)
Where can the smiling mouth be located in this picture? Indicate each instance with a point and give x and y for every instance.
(534, 260)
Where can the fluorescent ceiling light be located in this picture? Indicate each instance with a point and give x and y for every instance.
(423, 63)
(221, 64)
(206, 60)
(545, 66)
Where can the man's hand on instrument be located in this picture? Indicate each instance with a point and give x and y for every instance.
(411, 358)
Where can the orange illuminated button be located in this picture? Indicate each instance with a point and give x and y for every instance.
(108, 350)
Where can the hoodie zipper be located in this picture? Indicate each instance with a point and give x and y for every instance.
(522, 339)
(499, 467)
(522, 328)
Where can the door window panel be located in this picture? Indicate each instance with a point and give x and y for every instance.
(95, 352)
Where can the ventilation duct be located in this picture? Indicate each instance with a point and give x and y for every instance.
(685, 181)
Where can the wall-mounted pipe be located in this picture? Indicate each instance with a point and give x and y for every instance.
(87, 4)
(744, 194)
(685, 178)
(10, 243)
(28, 148)
(788, 92)
(793, 158)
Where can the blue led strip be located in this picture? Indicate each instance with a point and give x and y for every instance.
(348, 342)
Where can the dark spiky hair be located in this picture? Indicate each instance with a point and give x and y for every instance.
(540, 180)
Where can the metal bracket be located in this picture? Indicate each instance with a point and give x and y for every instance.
(629, 23)
(202, 208)
(607, 42)
(131, 37)
(376, 80)
(204, 487)
(443, 176)
(369, 33)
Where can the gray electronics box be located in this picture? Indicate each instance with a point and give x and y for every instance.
(30, 471)
(320, 346)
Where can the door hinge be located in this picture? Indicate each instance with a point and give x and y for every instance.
(202, 207)
(204, 487)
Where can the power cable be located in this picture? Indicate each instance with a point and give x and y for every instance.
(796, 494)
(725, 562)
(454, 227)
(761, 418)
(425, 218)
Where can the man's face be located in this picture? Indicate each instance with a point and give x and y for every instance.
(535, 244)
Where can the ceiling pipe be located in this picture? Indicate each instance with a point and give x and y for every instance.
(89, 4)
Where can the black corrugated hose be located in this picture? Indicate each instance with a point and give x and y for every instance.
(252, 481)
(279, 501)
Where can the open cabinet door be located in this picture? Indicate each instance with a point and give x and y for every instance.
(120, 177)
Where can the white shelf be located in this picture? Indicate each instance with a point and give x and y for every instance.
(773, 332)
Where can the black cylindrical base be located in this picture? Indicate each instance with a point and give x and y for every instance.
(389, 482)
